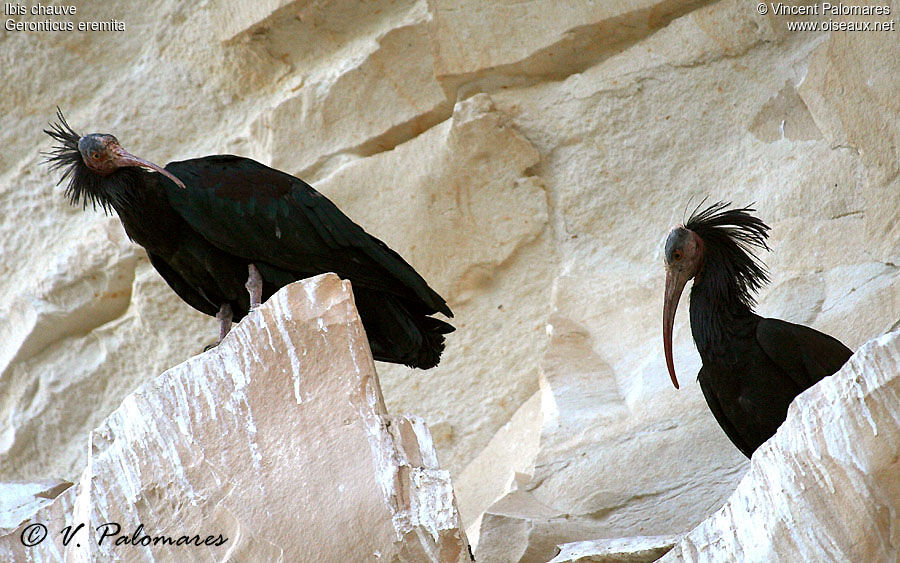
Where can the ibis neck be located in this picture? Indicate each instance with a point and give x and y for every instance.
(718, 309)
(141, 203)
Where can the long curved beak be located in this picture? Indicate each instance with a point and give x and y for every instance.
(125, 158)
(675, 282)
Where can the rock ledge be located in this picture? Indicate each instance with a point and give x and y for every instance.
(277, 440)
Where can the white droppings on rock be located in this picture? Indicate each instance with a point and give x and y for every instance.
(310, 290)
(380, 444)
(433, 502)
(238, 403)
(863, 407)
(201, 386)
(426, 442)
(287, 344)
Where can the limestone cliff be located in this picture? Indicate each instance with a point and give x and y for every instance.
(527, 158)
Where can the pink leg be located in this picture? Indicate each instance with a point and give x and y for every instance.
(224, 315)
(254, 286)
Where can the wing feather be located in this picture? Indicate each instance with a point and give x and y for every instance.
(191, 295)
(718, 412)
(805, 354)
(265, 215)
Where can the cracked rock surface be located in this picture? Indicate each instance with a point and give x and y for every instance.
(527, 158)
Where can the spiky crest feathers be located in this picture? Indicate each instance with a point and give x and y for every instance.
(730, 237)
(84, 186)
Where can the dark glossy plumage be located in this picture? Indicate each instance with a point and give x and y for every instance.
(234, 212)
(753, 367)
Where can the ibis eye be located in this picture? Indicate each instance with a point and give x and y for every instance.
(676, 255)
(95, 155)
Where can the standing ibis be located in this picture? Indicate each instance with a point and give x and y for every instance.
(227, 232)
(753, 367)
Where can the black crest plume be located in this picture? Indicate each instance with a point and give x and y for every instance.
(730, 236)
(83, 185)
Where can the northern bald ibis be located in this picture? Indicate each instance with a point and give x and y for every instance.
(753, 367)
(216, 225)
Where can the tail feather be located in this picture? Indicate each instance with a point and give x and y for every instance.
(396, 334)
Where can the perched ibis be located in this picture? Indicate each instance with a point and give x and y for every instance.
(227, 232)
(753, 367)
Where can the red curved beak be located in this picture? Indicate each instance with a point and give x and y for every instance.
(125, 158)
(675, 282)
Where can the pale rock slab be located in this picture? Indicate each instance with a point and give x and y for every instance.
(827, 482)
(850, 88)
(55, 513)
(475, 43)
(631, 110)
(569, 471)
(234, 17)
(277, 439)
(20, 500)
(494, 472)
(464, 186)
(642, 549)
(331, 116)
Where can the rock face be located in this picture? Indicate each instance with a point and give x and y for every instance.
(563, 469)
(276, 444)
(18, 501)
(827, 483)
(528, 159)
(624, 550)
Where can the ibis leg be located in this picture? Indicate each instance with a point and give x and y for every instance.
(224, 315)
(254, 286)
